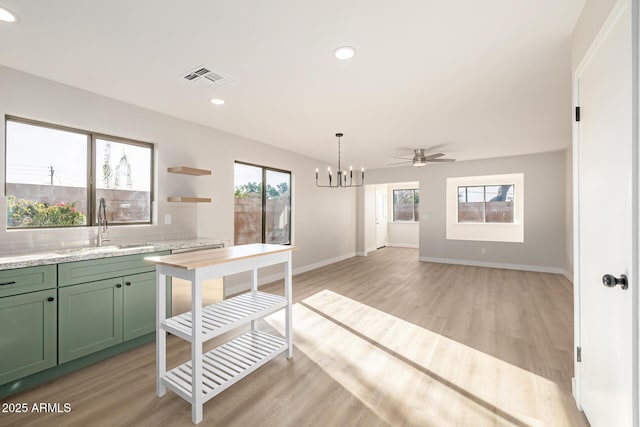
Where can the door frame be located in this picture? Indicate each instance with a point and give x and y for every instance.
(609, 23)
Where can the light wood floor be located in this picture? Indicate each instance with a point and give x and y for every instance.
(379, 340)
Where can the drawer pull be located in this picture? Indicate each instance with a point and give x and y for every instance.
(128, 283)
(50, 299)
(13, 282)
(118, 285)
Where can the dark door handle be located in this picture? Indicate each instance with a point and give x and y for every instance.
(119, 285)
(50, 299)
(127, 283)
(610, 281)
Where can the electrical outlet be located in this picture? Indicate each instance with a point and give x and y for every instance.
(167, 219)
(483, 251)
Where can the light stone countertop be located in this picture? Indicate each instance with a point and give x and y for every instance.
(85, 253)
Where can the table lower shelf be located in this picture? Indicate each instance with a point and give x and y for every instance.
(226, 365)
(226, 315)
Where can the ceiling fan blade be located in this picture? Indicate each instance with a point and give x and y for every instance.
(400, 163)
(434, 156)
(440, 160)
(403, 158)
(426, 149)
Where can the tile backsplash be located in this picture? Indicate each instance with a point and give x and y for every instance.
(183, 226)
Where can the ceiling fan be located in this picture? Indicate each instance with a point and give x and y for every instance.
(420, 159)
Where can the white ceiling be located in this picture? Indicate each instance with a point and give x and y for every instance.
(486, 78)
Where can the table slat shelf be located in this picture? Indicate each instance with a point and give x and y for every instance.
(227, 364)
(226, 315)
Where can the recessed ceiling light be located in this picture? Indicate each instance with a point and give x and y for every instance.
(6, 16)
(344, 52)
(217, 101)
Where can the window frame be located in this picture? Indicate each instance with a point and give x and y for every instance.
(485, 231)
(91, 186)
(484, 203)
(264, 197)
(393, 205)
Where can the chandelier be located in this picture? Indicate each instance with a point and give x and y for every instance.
(342, 180)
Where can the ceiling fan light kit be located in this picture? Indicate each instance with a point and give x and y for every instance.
(342, 180)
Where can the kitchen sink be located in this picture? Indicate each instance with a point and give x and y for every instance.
(102, 249)
(135, 246)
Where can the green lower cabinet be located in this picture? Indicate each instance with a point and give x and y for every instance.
(90, 318)
(27, 334)
(139, 305)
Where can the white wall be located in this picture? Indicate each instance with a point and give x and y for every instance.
(324, 219)
(545, 218)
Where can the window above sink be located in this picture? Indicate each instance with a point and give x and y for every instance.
(55, 176)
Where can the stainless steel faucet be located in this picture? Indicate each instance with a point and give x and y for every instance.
(103, 227)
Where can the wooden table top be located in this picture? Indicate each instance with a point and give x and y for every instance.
(205, 258)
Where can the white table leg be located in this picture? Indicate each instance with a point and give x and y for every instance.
(161, 334)
(196, 349)
(288, 293)
(254, 288)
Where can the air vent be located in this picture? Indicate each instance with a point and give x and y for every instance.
(197, 73)
(207, 76)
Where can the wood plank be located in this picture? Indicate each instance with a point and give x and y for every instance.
(197, 259)
(185, 170)
(188, 199)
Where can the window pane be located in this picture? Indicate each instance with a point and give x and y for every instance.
(403, 209)
(499, 206)
(470, 204)
(46, 171)
(416, 204)
(248, 204)
(123, 178)
(278, 207)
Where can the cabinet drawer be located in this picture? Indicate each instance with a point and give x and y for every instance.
(30, 279)
(73, 273)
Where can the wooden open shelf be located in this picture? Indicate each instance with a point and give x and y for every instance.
(185, 170)
(183, 199)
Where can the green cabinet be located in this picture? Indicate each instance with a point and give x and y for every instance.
(27, 333)
(116, 305)
(90, 318)
(139, 305)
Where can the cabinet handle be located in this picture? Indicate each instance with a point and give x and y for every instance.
(118, 285)
(127, 283)
(50, 299)
(13, 282)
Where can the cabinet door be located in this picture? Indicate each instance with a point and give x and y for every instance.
(27, 334)
(90, 317)
(139, 305)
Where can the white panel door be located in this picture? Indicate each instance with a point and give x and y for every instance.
(605, 217)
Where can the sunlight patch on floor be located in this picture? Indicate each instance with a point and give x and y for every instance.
(409, 375)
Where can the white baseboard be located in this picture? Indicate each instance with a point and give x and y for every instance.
(404, 245)
(523, 267)
(239, 287)
(361, 253)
